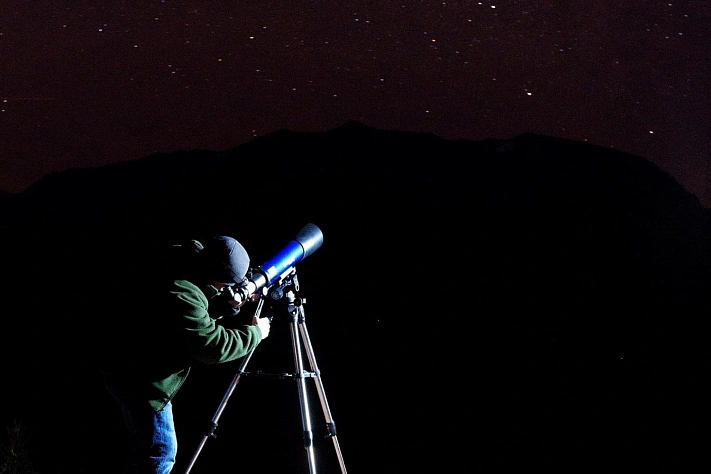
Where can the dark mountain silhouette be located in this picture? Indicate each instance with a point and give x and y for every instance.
(532, 303)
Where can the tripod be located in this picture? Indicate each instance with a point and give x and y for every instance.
(300, 341)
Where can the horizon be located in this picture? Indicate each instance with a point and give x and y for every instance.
(85, 85)
(602, 149)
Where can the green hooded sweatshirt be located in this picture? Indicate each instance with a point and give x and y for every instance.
(154, 357)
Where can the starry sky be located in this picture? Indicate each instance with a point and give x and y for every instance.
(85, 83)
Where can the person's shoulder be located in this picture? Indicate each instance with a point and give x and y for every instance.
(183, 285)
(187, 299)
(186, 290)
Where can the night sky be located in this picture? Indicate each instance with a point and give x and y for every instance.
(86, 83)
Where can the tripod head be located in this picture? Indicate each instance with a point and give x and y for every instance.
(283, 299)
(286, 284)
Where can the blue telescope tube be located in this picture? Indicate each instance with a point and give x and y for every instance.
(307, 241)
(284, 260)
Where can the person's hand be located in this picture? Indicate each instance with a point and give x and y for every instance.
(263, 324)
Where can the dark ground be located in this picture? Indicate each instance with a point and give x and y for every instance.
(489, 307)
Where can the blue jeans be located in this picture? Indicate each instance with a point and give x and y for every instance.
(153, 444)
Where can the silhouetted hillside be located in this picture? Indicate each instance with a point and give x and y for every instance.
(528, 303)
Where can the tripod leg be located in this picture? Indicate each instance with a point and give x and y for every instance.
(321, 393)
(303, 399)
(220, 409)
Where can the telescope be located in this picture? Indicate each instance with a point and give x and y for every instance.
(260, 279)
(277, 277)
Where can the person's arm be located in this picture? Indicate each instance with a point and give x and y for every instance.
(203, 339)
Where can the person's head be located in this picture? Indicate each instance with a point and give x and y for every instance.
(224, 260)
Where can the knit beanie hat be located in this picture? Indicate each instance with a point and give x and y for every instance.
(224, 259)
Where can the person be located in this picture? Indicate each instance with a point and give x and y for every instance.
(168, 324)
